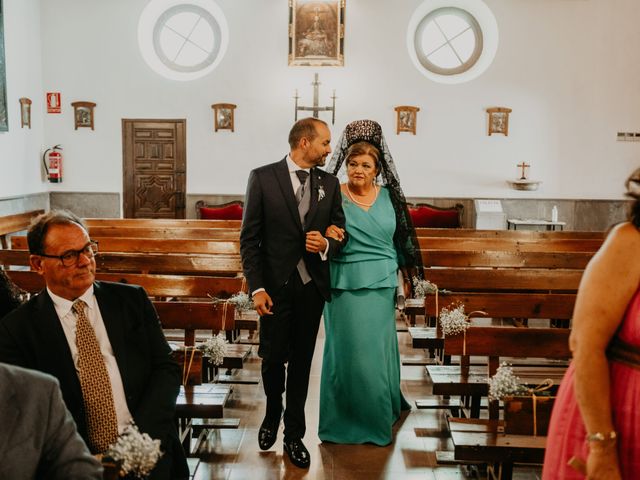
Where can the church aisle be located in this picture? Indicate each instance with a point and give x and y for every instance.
(234, 454)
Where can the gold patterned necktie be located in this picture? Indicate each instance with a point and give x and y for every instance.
(100, 412)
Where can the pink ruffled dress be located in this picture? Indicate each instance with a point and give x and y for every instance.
(566, 437)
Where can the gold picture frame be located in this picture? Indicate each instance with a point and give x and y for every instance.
(316, 33)
(83, 114)
(406, 118)
(25, 112)
(498, 120)
(223, 116)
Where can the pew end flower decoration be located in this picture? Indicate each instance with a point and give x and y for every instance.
(506, 384)
(421, 287)
(136, 452)
(215, 348)
(453, 320)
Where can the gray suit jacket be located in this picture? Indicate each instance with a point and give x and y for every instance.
(38, 437)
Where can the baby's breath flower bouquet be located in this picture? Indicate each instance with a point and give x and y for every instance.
(423, 287)
(453, 320)
(136, 452)
(242, 302)
(504, 383)
(215, 348)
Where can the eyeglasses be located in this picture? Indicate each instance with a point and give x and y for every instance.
(70, 257)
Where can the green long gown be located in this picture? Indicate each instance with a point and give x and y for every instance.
(360, 396)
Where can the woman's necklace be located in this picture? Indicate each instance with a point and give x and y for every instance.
(375, 187)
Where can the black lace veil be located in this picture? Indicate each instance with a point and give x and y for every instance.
(405, 237)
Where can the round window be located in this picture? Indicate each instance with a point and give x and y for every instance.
(180, 40)
(452, 41)
(448, 41)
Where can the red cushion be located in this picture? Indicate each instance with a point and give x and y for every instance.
(229, 212)
(430, 217)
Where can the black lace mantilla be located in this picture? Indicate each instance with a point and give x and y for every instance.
(405, 237)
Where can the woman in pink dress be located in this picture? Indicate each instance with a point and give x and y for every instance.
(595, 424)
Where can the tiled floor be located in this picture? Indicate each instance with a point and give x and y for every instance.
(234, 454)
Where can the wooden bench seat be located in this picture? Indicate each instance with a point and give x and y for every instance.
(485, 441)
(201, 402)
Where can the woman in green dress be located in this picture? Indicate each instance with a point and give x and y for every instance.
(360, 397)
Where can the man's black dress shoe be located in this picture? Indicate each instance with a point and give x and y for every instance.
(298, 453)
(267, 434)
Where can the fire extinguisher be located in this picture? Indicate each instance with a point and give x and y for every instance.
(52, 161)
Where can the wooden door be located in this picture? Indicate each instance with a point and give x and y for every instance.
(154, 168)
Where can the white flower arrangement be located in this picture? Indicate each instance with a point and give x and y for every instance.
(136, 452)
(504, 383)
(215, 348)
(453, 320)
(242, 302)
(423, 287)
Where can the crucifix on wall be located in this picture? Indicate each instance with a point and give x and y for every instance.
(316, 108)
(523, 166)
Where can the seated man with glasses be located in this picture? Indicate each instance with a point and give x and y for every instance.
(101, 340)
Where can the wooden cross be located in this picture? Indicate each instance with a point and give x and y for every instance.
(523, 165)
(316, 108)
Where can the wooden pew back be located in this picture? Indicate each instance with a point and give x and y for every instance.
(15, 223)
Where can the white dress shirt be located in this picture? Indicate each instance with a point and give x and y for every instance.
(68, 321)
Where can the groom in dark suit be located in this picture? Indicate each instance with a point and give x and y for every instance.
(288, 206)
(101, 340)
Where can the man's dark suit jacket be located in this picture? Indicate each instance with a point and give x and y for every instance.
(32, 337)
(272, 239)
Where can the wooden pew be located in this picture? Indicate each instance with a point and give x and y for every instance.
(15, 223)
(511, 234)
(476, 440)
(187, 264)
(510, 245)
(153, 245)
(165, 233)
(504, 259)
(494, 343)
(505, 279)
(556, 306)
(161, 222)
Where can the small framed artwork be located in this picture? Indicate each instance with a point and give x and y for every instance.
(223, 116)
(83, 114)
(406, 117)
(499, 120)
(316, 32)
(25, 112)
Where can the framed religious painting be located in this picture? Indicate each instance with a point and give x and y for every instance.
(406, 117)
(316, 32)
(499, 120)
(83, 114)
(223, 114)
(25, 112)
(4, 120)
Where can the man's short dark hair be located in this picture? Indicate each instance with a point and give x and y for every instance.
(40, 225)
(304, 128)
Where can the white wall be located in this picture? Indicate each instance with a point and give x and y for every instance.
(569, 70)
(20, 171)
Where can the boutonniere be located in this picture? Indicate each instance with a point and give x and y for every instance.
(321, 193)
